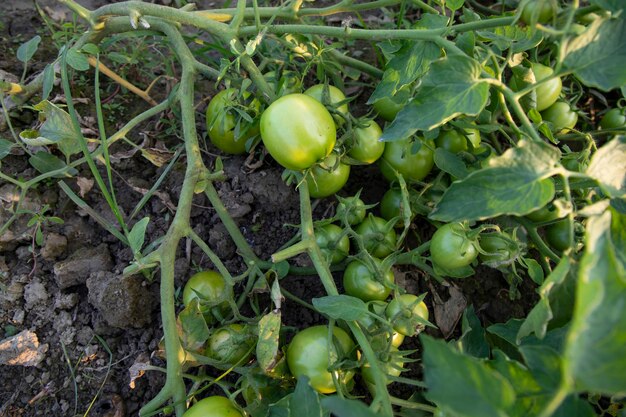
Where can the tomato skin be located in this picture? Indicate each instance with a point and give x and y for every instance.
(215, 406)
(559, 235)
(613, 119)
(333, 245)
(231, 345)
(541, 10)
(377, 241)
(308, 354)
(335, 96)
(325, 181)
(548, 92)
(365, 146)
(413, 166)
(389, 107)
(450, 248)
(402, 310)
(211, 288)
(353, 208)
(361, 282)
(561, 115)
(297, 131)
(221, 124)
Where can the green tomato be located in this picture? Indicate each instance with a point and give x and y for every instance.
(405, 313)
(309, 352)
(389, 107)
(544, 214)
(231, 345)
(221, 124)
(334, 244)
(392, 366)
(211, 289)
(335, 96)
(298, 131)
(288, 83)
(362, 282)
(559, 235)
(537, 11)
(215, 406)
(398, 157)
(326, 180)
(561, 115)
(548, 92)
(500, 249)
(353, 208)
(391, 204)
(450, 248)
(366, 146)
(378, 241)
(452, 141)
(380, 338)
(613, 119)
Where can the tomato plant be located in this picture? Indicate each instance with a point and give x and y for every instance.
(378, 237)
(362, 281)
(559, 235)
(407, 313)
(328, 177)
(352, 209)
(211, 289)
(330, 96)
(334, 244)
(547, 92)
(310, 354)
(498, 249)
(388, 107)
(391, 204)
(538, 11)
(451, 248)
(561, 115)
(366, 146)
(215, 406)
(297, 131)
(392, 366)
(231, 345)
(222, 126)
(399, 156)
(454, 141)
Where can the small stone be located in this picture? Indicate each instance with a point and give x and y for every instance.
(54, 246)
(35, 294)
(29, 379)
(23, 349)
(220, 241)
(85, 261)
(23, 252)
(18, 317)
(14, 292)
(65, 301)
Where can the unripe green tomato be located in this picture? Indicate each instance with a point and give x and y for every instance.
(403, 311)
(392, 367)
(452, 141)
(548, 92)
(353, 208)
(335, 96)
(332, 243)
(537, 11)
(221, 124)
(309, 352)
(561, 115)
(450, 248)
(613, 119)
(323, 182)
(366, 146)
(391, 205)
(211, 289)
(215, 406)
(559, 235)
(378, 337)
(413, 166)
(298, 131)
(231, 345)
(389, 107)
(378, 241)
(360, 281)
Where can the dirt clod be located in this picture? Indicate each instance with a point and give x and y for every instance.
(85, 261)
(54, 246)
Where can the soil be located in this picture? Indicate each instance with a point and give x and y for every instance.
(92, 324)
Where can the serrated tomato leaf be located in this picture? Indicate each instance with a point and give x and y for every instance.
(305, 402)
(608, 167)
(341, 306)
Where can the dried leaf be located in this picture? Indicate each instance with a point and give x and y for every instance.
(448, 313)
(84, 185)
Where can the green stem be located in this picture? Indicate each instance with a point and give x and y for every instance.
(555, 402)
(412, 405)
(531, 229)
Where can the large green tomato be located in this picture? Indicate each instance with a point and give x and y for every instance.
(548, 92)
(215, 406)
(366, 146)
(614, 119)
(211, 289)
(450, 248)
(298, 131)
(378, 241)
(221, 124)
(334, 245)
(561, 115)
(537, 11)
(362, 282)
(413, 166)
(404, 313)
(335, 96)
(309, 352)
(325, 181)
(231, 345)
(454, 141)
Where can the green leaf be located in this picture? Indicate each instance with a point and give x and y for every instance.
(192, 326)
(267, 347)
(451, 87)
(343, 407)
(341, 307)
(545, 365)
(5, 147)
(26, 50)
(450, 163)
(48, 81)
(462, 385)
(535, 271)
(137, 235)
(407, 65)
(473, 341)
(454, 5)
(57, 129)
(608, 167)
(90, 48)
(305, 402)
(594, 355)
(598, 57)
(77, 60)
(610, 5)
(45, 162)
(516, 38)
(516, 183)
